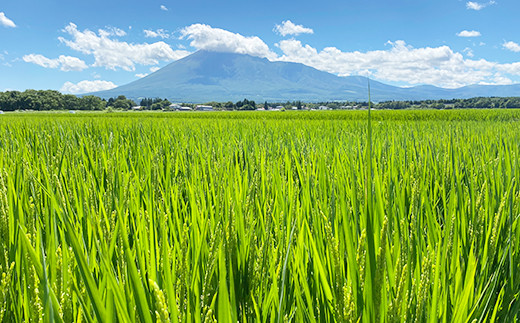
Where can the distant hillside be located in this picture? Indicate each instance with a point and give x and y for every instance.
(212, 76)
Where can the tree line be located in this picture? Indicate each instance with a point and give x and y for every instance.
(473, 103)
(48, 100)
(45, 100)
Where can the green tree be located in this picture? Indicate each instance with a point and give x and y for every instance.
(91, 102)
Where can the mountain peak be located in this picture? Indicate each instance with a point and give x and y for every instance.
(222, 76)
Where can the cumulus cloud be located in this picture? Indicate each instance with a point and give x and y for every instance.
(113, 54)
(141, 75)
(512, 46)
(215, 39)
(163, 8)
(87, 87)
(164, 34)
(65, 63)
(289, 28)
(6, 22)
(439, 66)
(511, 68)
(154, 69)
(478, 5)
(469, 33)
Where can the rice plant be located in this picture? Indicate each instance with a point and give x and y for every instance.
(257, 217)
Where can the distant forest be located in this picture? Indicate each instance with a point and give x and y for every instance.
(53, 100)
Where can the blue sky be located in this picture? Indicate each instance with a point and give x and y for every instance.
(81, 46)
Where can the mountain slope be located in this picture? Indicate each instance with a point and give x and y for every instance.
(212, 76)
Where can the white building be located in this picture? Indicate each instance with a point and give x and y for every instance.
(204, 108)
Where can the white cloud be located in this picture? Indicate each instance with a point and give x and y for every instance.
(478, 6)
(65, 63)
(439, 66)
(69, 63)
(111, 31)
(512, 68)
(41, 61)
(498, 79)
(163, 8)
(113, 54)
(469, 52)
(141, 75)
(215, 39)
(512, 46)
(469, 33)
(289, 28)
(154, 69)
(6, 22)
(164, 34)
(474, 5)
(87, 87)
(2, 58)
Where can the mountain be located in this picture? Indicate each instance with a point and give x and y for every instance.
(213, 76)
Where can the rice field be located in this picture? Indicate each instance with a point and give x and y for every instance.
(260, 217)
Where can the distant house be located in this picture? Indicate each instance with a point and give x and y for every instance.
(184, 109)
(72, 112)
(260, 109)
(175, 106)
(1, 112)
(323, 107)
(294, 108)
(137, 108)
(204, 108)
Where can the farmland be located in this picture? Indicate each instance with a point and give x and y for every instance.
(144, 217)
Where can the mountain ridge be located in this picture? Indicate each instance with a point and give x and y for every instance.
(214, 76)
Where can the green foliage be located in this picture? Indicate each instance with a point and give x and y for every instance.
(121, 103)
(155, 104)
(245, 105)
(473, 103)
(260, 217)
(48, 100)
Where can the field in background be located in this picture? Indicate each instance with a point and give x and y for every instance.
(198, 217)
